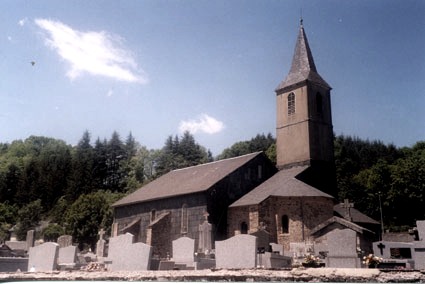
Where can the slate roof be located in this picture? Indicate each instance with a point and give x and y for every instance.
(303, 67)
(284, 184)
(187, 180)
(356, 215)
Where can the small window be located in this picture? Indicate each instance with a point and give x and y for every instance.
(291, 104)
(285, 224)
(319, 103)
(260, 172)
(184, 219)
(153, 215)
(244, 228)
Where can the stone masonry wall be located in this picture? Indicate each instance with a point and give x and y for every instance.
(169, 229)
(303, 213)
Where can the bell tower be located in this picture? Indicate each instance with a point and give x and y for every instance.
(304, 131)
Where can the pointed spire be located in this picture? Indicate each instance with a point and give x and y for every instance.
(303, 67)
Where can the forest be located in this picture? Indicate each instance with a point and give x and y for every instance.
(56, 188)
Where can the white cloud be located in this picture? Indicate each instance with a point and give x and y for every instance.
(204, 123)
(22, 22)
(97, 53)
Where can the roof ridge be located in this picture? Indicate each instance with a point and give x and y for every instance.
(218, 161)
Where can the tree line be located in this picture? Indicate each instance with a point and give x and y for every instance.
(71, 188)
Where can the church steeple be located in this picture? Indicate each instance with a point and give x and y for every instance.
(304, 131)
(303, 68)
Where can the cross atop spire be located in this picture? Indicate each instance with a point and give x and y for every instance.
(303, 67)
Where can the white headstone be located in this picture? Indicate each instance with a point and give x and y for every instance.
(125, 255)
(237, 252)
(184, 251)
(420, 225)
(67, 255)
(43, 257)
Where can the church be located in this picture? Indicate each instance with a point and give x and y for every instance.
(292, 200)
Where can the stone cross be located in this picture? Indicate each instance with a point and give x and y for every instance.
(100, 245)
(347, 205)
(205, 236)
(206, 216)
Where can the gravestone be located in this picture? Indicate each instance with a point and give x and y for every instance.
(395, 254)
(43, 257)
(263, 240)
(419, 256)
(420, 225)
(100, 245)
(64, 241)
(125, 255)
(300, 249)
(184, 251)
(392, 250)
(342, 247)
(205, 237)
(237, 252)
(30, 239)
(67, 257)
(277, 248)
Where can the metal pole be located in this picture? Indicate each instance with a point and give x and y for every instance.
(382, 219)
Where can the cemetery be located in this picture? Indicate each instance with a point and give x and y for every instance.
(243, 251)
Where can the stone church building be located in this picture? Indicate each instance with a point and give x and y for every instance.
(293, 200)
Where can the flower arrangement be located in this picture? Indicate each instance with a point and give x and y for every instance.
(372, 260)
(311, 260)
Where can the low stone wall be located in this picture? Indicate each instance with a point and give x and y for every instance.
(251, 275)
(13, 264)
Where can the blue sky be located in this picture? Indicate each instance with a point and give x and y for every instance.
(158, 67)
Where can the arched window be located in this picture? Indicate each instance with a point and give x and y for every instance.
(153, 215)
(285, 224)
(319, 103)
(184, 219)
(291, 104)
(244, 228)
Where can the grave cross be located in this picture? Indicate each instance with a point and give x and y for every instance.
(347, 205)
(101, 234)
(206, 215)
(381, 247)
